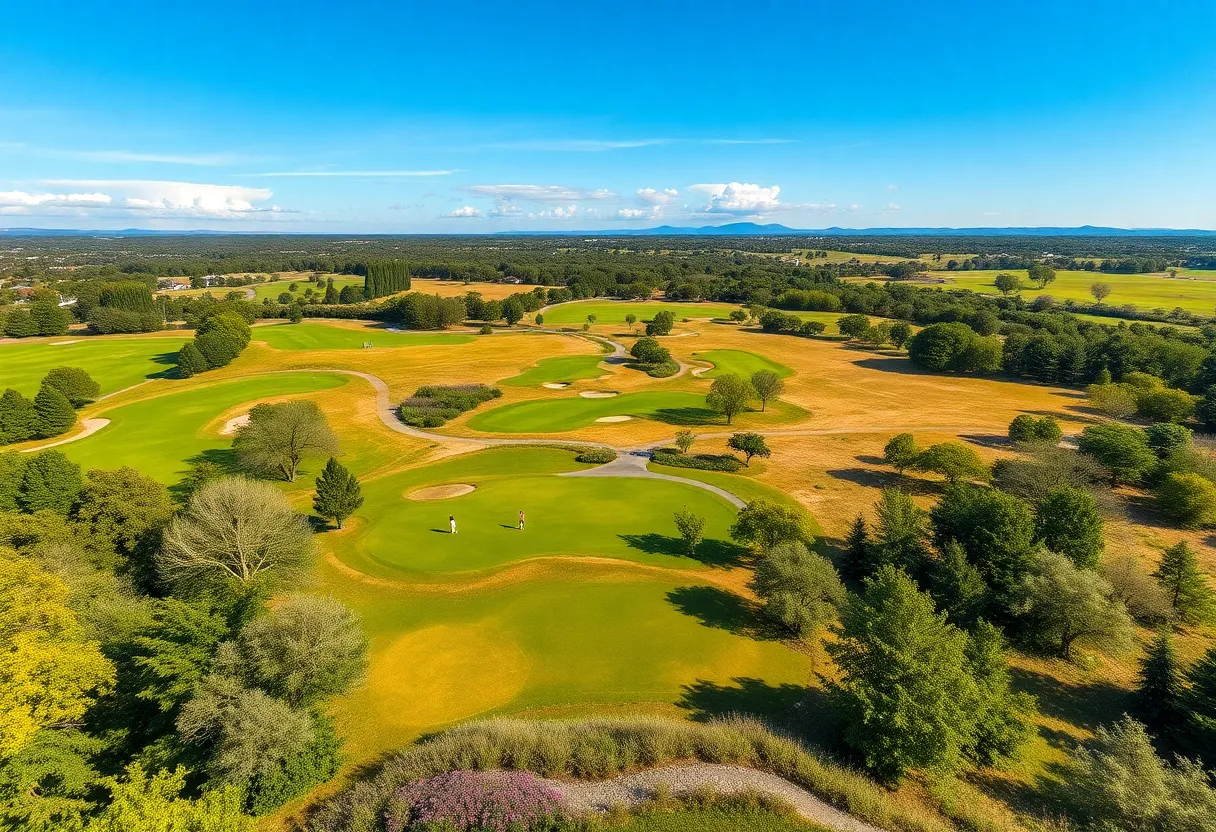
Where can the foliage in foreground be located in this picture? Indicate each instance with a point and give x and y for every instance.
(433, 405)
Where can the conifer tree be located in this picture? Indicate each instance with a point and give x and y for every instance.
(957, 586)
(338, 492)
(55, 413)
(1158, 699)
(857, 547)
(1200, 703)
(1187, 587)
(18, 419)
(1003, 722)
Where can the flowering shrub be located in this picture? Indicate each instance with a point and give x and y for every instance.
(493, 801)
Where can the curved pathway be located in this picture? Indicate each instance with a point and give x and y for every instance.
(635, 788)
(91, 426)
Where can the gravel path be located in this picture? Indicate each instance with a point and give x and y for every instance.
(631, 789)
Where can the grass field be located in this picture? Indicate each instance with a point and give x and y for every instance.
(325, 336)
(1144, 291)
(614, 311)
(565, 368)
(274, 288)
(114, 363)
(565, 414)
(740, 363)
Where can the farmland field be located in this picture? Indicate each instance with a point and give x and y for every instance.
(614, 312)
(1144, 291)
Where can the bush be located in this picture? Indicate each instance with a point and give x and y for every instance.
(494, 801)
(596, 456)
(75, 383)
(1166, 405)
(486, 329)
(433, 405)
(1187, 498)
(774, 321)
(1026, 428)
(702, 462)
(1123, 449)
(299, 771)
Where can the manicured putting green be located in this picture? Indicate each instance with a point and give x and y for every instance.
(557, 415)
(1144, 291)
(114, 363)
(740, 363)
(309, 335)
(614, 312)
(157, 436)
(562, 368)
(611, 517)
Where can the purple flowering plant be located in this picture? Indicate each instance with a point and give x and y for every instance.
(485, 801)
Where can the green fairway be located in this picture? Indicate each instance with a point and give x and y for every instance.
(557, 415)
(557, 369)
(157, 436)
(311, 335)
(740, 363)
(113, 362)
(626, 518)
(1144, 291)
(614, 311)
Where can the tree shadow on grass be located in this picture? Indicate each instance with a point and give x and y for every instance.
(219, 462)
(686, 416)
(721, 553)
(800, 711)
(722, 609)
(1087, 705)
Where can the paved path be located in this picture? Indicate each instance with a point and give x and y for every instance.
(632, 789)
(91, 426)
(633, 464)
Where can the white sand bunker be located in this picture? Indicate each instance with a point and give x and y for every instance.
(598, 394)
(556, 385)
(234, 424)
(65, 343)
(614, 419)
(442, 492)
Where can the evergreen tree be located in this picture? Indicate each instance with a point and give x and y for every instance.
(1069, 523)
(899, 533)
(958, 587)
(190, 361)
(1158, 698)
(1200, 703)
(18, 419)
(1002, 723)
(55, 413)
(857, 546)
(338, 493)
(331, 292)
(49, 481)
(1179, 575)
(75, 383)
(50, 317)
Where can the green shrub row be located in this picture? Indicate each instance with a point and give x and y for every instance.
(702, 462)
(433, 405)
(596, 456)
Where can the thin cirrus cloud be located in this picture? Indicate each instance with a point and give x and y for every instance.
(537, 193)
(358, 173)
(601, 145)
(123, 156)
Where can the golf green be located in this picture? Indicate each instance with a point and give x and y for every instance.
(158, 436)
(611, 517)
(557, 415)
(740, 363)
(310, 335)
(614, 311)
(562, 368)
(113, 362)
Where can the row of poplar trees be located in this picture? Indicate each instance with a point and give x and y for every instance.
(385, 277)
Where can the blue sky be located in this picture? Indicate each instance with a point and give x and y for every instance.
(471, 117)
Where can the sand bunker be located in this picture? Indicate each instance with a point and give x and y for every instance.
(65, 343)
(234, 424)
(442, 492)
(598, 394)
(614, 419)
(556, 385)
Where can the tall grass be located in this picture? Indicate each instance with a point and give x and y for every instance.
(599, 748)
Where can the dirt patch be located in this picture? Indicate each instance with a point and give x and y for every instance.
(598, 394)
(442, 492)
(234, 424)
(556, 385)
(64, 343)
(614, 419)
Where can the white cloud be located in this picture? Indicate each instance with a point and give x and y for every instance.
(22, 199)
(538, 193)
(559, 213)
(739, 198)
(358, 173)
(751, 141)
(630, 213)
(506, 209)
(578, 145)
(891, 206)
(184, 199)
(854, 207)
(653, 196)
(466, 211)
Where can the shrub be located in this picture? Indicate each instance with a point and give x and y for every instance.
(661, 324)
(774, 321)
(1026, 428)
(495, 801)
(299, 770)
(1166, 405)
(433, 405)
(702, 462)
(1123, 449)
(854, 326)
(486, 329)
(75, 383)
(812, 328)
(596, 456)
(1188, 498)
(953, 460)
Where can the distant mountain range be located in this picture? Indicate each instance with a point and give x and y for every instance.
(734, 229)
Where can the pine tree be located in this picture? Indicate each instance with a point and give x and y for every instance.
(857, 548)
(1158, 698)
(957, 586)
(1187, 588)
(1200, 703)
(338, 493)
(18, 419)
(55, 413)
(1003, 722)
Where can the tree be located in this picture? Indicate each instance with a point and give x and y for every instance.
(1123, 449)
(750, 445)
(1007, 284)
(55, 414)
(957, 587)
(49, 316)
(953, 460)
(1061, 604)
(1205, 409)
(941, 346)
(278, 437)
(1068, 522)
(190, 360)
(171, 655)
(338, 494)
(661, 324)
(1187, 587)
(800, 590)
(1003, 716)
(18, 419)
(995, 529)
(1159, 691)
(1100, 291)
(768, 385)
(899, 533)
(306, 649)
(154, 804)
(647, 350)
(763, 525)
(630, 320)
(1041, 275)
(12, 467)
(736, 315)
(1026, 428)
(730, 395)
(1188, 498)
(691, 528)
(854, 326)
(1166, 405)
(236, 530)
(49, 481)
(684, 440)
(74, 383)
(331, 292)
(900, 333)
(123, 507)
(20, 323)
(512, 311)
(857, 549)
(50, 672)
(295, 314)
(1166, 438)
(901, 451)
(1114, 400)
(905, 692)
(591, 319)
(1144, 598)
(1200, 702)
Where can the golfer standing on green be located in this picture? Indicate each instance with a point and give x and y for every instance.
(521, 520)
(452, 523)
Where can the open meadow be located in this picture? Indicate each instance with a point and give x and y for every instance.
(1194, 292)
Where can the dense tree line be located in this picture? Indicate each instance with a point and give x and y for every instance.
(385, 277)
